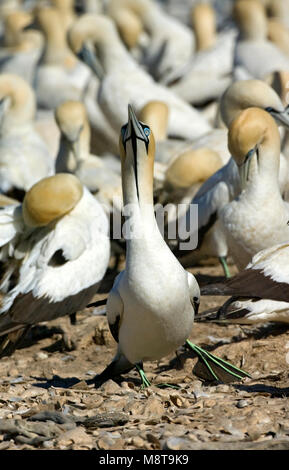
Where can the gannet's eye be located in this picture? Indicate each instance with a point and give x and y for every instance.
(147, 131)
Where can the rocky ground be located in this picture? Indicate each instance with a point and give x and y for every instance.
(47, 401)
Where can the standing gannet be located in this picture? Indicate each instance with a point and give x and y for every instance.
(22, 48)
(259, 292)
(258, 218)
(253, 51)
(74, 153)
(24, 157)
(60, 75)
(57, 250)
(208, 73)
(151, 306)
(124, 80)
(224, 185)
(171, 44)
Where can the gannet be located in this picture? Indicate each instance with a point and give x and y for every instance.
(60, 75)
(171, 43)
(254, 51)
(207, 75)
(188, 171)
(74, 154)
(22, 48)
(56, 248)
(259, 292)
(258, 218)
(24, 157)
(151, 306)
(224, 185)
(123, 80)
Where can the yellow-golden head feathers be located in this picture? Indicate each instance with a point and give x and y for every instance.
(192, 167)
(14, 25)
(50, 199)
(156, 115)
(71, 117)
(250, 130)
(244, 94)
(129, 26)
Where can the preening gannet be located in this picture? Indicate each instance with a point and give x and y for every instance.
(136, 85)
(258, 217)
(24, 156)
(151, 307)
(259, 292)
(57, 251)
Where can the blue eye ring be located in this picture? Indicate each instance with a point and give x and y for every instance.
(147, 131)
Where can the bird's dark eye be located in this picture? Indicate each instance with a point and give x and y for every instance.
(270, 110)
(147, 131)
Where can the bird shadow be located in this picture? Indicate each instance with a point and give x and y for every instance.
(274, 392)
(56, 381)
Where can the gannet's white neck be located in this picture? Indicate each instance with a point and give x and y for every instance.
(137, 182)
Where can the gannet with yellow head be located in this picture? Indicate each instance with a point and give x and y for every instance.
(258, 218)
(151, 307)
(207, 74)
(57, 250)
(24, 156)
(22, 47)
(60, 75)
(223, 186)
(254, 52)
(74, 154)
(123, 80)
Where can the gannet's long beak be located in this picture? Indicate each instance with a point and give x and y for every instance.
(75, 147)
(134, 128)
(282, 117)
(245, 168)
(86, 55)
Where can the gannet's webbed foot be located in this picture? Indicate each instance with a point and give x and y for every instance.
(225, 267)
(145, 382)
(217, 368)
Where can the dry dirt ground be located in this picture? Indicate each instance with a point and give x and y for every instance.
(47, 402)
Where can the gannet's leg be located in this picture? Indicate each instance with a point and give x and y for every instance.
(73, 318)
(211, 361)
(119, 365)
(225, 267)
(145, 382)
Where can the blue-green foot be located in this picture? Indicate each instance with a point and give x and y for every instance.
(218, 368)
